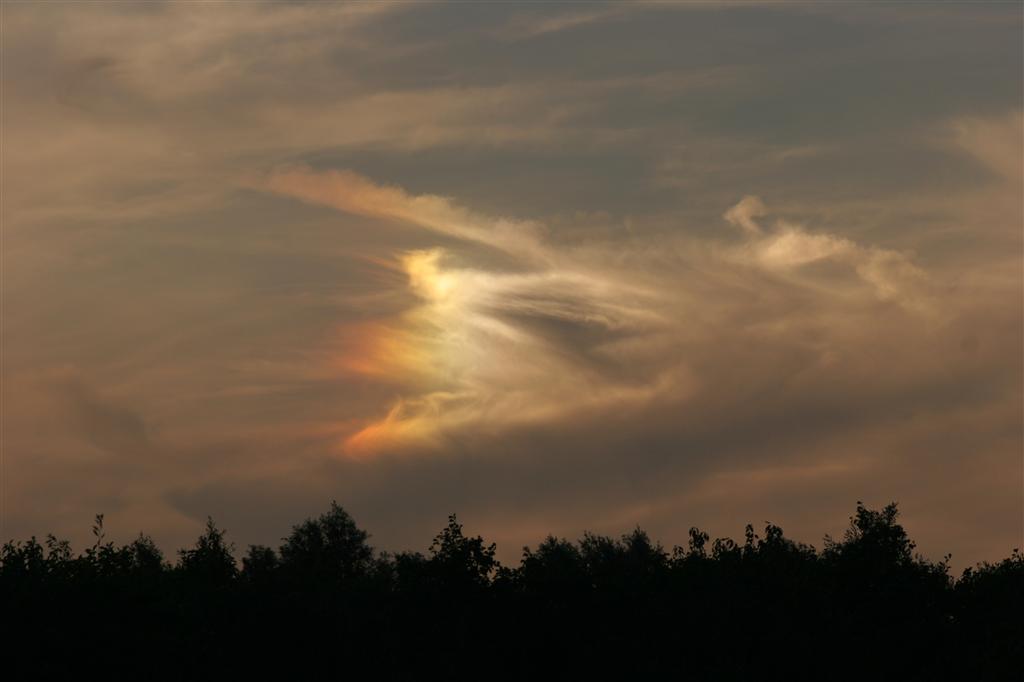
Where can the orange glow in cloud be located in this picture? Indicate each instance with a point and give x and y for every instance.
(395, 428)
(420, 347)
(405, 348)
(383, 350)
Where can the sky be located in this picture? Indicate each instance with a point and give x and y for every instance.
(553, 267)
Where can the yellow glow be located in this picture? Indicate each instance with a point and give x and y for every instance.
(426, 277)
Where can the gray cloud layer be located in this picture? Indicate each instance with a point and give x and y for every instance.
(553, 268)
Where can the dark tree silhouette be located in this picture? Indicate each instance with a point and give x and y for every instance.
(458, 562)
(865, 607)
(211, 560)
(555, 570)
(330, 548)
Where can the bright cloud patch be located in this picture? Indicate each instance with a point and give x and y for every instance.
(579, 329)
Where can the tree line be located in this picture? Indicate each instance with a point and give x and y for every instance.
(866, 606)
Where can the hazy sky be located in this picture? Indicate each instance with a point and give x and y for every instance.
(553, 267)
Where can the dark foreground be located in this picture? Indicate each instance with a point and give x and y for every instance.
(325, 605)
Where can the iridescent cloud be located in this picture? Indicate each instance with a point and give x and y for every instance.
(584, 329)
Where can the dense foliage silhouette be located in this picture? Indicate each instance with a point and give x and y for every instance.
(325, 602)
